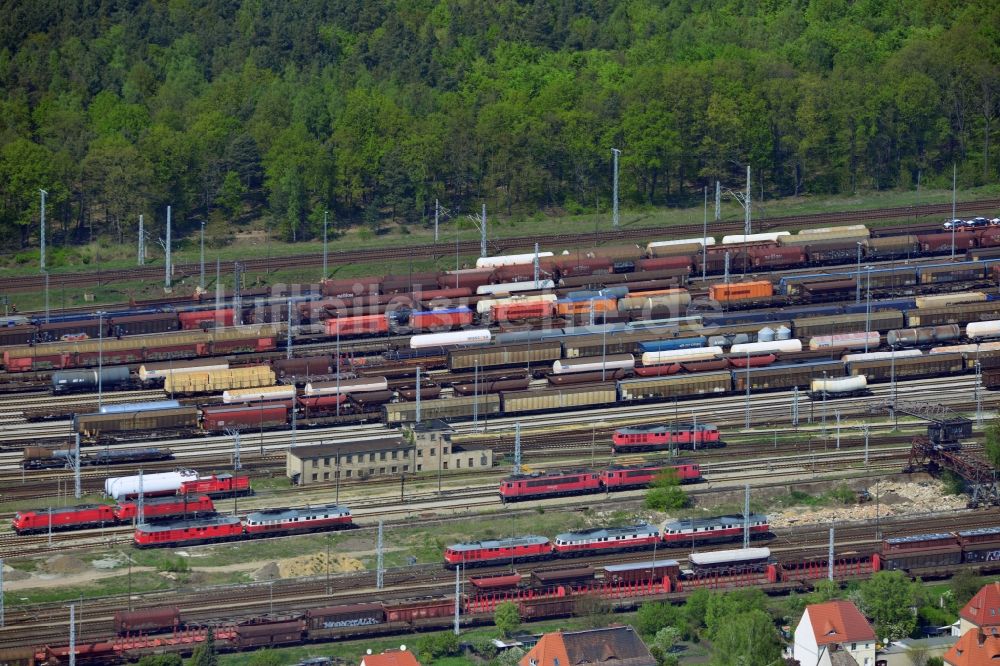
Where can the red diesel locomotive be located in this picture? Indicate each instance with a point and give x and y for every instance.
(606, 540)
(714, 530)
(602, 540)
(258, 524)
(63, 518)
(160, 508)
(578, 482)
(665, 436)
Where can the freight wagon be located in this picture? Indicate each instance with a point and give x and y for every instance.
(484, 405)
(498, 356)
(913, 367)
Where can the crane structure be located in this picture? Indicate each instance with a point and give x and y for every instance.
(941, 448)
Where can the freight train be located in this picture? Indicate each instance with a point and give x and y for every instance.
(40, 457)
(256, 524)
(166, 496)
(544, 594)
(578, 482)
(676, 533)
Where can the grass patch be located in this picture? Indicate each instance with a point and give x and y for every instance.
(254, 242)
(116, 585)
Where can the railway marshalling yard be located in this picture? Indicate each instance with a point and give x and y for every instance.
(853, 461)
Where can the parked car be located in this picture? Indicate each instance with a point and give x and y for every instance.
(953, 224)
(976, 222)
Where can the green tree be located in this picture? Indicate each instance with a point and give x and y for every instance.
(663, 643)
(696, 607)
(654, 615)
(722, 607)
(749, 639)
(992, 446)
(665, 493)
(507, 617)
(441, 644)
(204, 654)
(231, 192)
(963, 587)
(265, 657)
(161, 660)
(887, 599)
(825, 590)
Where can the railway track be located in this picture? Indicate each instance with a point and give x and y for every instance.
(47, 622)
(28, 283)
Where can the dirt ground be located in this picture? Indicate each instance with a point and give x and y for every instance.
(894, 499)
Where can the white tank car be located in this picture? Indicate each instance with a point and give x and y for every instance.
(235, 396)
(835, 385)
(594, 364)
(162, 483)
(754, 238)
(787, 346)
(478, 336)
(978, 330)
(881, 356)
(362, 385)
(845, 341)
(510, 260)
(681, 355)
(514, 287)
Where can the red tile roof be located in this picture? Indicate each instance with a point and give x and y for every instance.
(974, 648)
(394, 658)
(839, 622)
(619, 646)
(983, 610)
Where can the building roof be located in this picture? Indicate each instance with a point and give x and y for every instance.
(393, 658)
(343, 448)
(974, 648)
(839, 622)
(619, 646)
(983, 610)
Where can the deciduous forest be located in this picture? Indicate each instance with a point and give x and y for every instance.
(237, 110)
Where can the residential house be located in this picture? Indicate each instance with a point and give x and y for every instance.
(834, 634)
(982, 611)
(976, 647)
(401, 657)
(617, 646)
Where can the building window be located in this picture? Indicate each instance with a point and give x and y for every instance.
(445, 465)
(406, 468)
(326, 476)
(381, 455)
(314, 477)
(854, 646)
(433, 452)
(371, 471)
(350, 457)
(394, 469)
(395, 454)
(348, 475)
(434, 438)
(326, 461)
(420, 453)
(371, 457)
(482, 460)
(381, 470)
(420, 468)
(444, 450)
(471, 464)
(315, 463)
(458, 463)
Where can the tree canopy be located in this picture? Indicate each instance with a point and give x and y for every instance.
(888, 598)
(371, 110)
